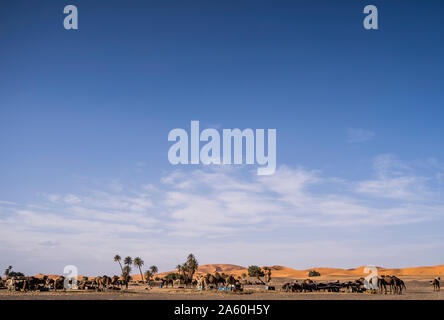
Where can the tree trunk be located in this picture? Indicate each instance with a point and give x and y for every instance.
(141, 275)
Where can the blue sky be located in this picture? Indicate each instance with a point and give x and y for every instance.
(85, 115)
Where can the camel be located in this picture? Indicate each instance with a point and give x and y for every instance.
(436, 285)
(267, 274)
(398, 285)
(115, 281)
(11, 284)
(288, 286)
(177, 282)
(166, 282)
(355, 286)
(292, 286)
(106, 282)
(84, 283)
(385, 281)
(24, 283)
(33, 283)
(231, 280)
(207, 281)
(56, 283)
(395, 284)
(309, 285)
(102, 283)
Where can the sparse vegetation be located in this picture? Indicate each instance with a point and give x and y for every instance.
(9, 273)
(313, 273)
(257, 272)
(187, 270)
(138, 262)
(118, 258)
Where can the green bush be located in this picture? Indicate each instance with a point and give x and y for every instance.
(313, 273)
(255, 271)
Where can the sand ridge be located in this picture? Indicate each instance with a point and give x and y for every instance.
(286, 272)
(281, 271)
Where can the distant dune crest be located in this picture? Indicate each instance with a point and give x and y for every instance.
(281, 271)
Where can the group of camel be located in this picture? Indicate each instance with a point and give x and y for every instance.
(395, 285)
(103, 283)
(309, 285)
(19, 283)
(22, 283)
(385, 284)
(203, 282)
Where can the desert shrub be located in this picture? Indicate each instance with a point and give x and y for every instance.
(255, 271)
(313, 273)
(171, 276)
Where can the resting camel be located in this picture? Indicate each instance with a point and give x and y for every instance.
(309, 285)
(84, 283)
(292, 286)
(435, 283)
(102, 283)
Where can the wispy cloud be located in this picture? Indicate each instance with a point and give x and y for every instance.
(7, 203)
(199, 208)
(397, 180)
(359, 135)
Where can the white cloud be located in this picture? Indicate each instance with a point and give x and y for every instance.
(395, 179)
(71, 199)
(8, 203)
(205, 208)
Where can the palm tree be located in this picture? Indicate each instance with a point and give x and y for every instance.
(128, 261)
(117, 258)
(153, 270)
(126, 275)
(148, 275)
(126, 271)
(8, 271)
(192, 265)
(179, 268)
(138, 262)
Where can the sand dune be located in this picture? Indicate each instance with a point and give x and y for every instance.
(281, 271)
(220, 268)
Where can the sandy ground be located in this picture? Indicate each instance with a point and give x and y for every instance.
(418, 288)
